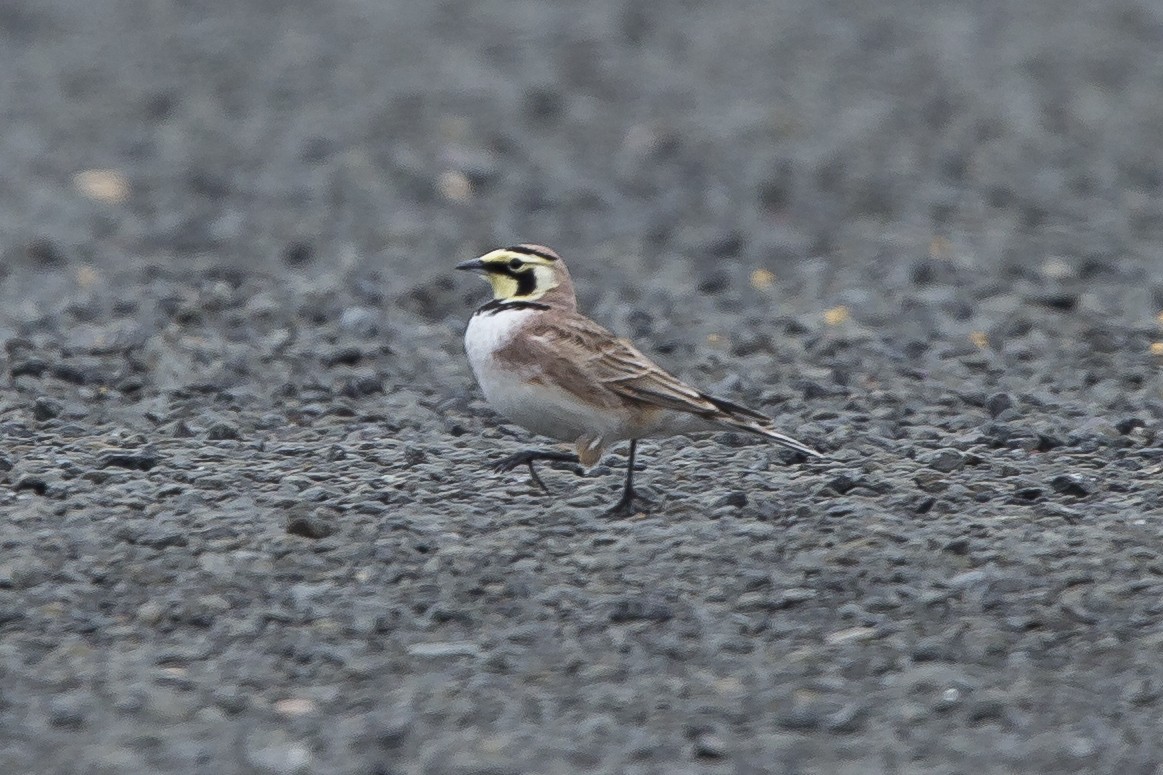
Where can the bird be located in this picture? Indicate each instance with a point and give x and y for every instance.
(545, 366)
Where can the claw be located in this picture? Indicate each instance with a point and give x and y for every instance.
(526, 458)
(506, 465)
(537, 479)
(625, 506)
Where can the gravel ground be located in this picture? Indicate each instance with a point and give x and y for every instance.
(247, 518)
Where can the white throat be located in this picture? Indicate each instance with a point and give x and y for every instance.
(489, 331)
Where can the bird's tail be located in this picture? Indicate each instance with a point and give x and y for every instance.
(745, 419)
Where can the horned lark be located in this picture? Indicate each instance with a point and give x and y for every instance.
(546, 367)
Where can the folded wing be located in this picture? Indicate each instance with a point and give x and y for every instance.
(608, 365)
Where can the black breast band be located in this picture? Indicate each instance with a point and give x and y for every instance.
(501, 305)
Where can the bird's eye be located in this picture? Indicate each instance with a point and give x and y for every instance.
(515, 264)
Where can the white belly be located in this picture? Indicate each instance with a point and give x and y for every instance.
(540, 408)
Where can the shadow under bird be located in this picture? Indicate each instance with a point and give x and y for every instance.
(550, 369)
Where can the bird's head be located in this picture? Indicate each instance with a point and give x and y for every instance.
(525, 273)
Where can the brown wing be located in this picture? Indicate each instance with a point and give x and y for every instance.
(626, 371)
(591, 354)
(574, 352)
(548, 354)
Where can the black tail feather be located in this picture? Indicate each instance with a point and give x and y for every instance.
(755, 422)
(730, 407)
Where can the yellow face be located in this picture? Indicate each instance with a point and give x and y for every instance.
(520, 273)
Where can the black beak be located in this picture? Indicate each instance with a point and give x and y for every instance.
(474, 265)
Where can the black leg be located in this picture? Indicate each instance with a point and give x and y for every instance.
(527, 457)
(625, 505)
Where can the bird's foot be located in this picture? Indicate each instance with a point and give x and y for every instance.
(526, 458)
(625, 507)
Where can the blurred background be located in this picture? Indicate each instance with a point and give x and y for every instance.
(899, 137)
(246, 517)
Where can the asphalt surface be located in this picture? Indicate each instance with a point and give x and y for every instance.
(246, 517)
